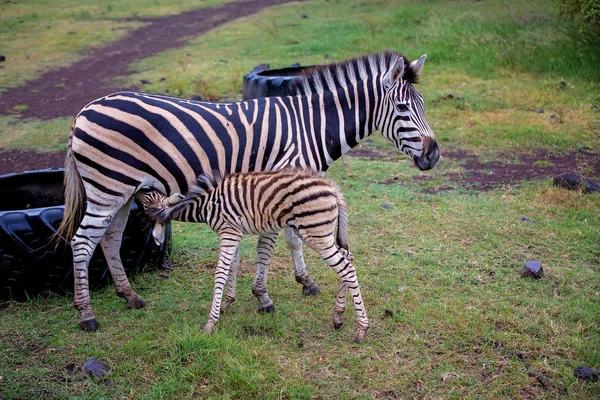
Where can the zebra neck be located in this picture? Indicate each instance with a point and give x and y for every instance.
(347, 119)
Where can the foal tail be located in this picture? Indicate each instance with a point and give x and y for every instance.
(75, 197)
(342, 232)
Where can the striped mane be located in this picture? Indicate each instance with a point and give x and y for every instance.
(322, 78)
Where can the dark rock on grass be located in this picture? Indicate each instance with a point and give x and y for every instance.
(2, 58)
(540, 111)
(95, 367)
(163, 79)
(386, 206)
(145, 82)
(388, 313)
(525, 219)
(532, 269)
(572, 181)
(586, 373)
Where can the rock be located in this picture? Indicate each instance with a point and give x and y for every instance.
(145, 81)
(196, 97)
(95, 367)
(304, 16)
(388, 313)
(525, 219)
(386, 206)
(586, 373)
(540, 111)
(295, 65)
(2, 58)
(572, 181)
(532, 269)
(163, 79)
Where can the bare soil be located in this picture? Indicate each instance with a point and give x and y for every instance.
(92, 77)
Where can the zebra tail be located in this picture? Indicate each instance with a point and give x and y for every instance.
(75, 198)
(342, 232)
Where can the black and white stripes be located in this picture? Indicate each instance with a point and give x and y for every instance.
(264, 203)
(128, 140)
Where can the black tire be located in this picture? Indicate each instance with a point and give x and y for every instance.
(31, 209)
(265, 82)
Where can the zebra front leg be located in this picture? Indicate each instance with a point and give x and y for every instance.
(111, 246)
(264, 249)
(229, 246)
(84, 242)
(231, 282)
(309, 287)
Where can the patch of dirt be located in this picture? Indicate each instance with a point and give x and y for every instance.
(90, 78)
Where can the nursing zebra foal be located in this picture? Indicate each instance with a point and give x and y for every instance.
(264, 203)
(127, 141)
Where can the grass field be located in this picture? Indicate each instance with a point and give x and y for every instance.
(463, 324)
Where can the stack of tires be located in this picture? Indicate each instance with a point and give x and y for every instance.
(32, 263)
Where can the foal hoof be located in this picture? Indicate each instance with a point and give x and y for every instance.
(89, 325)
(338, 324)
(311, 290)
(360, 336)
(270, 309)
(136, 302)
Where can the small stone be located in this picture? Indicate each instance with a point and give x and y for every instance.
(300, 344)
(327, 56)
(540, 111)
(145, 82)
(586, 373)
(95, 367)
(163, 79)
(304, 16)
(2, 58)
(525, 219)
(388, 313)
(295, 65)
(386, 206)
(532, 269)
(188, 54)
(196, 97)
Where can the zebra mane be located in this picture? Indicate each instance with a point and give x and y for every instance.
(322, 78)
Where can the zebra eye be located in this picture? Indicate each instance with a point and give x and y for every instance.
(402, 107)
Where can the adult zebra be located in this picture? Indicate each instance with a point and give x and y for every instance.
(126, 141)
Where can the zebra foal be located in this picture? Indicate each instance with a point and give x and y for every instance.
(264, 203)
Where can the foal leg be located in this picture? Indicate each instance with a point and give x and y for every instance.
(264, 249)
(231, 282)
(229, 246)
(111, 246)
(309, 287)
(348, 281)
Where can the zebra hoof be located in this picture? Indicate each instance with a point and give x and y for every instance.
(270, 309)
(311, 290)
(338, 324)
(136, 302)
(360, 336)
(89, 325)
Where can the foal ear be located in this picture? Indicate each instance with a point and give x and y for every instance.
(417, 65)
(394, 74)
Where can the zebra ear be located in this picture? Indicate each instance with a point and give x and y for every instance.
(394, 74)
(417, 65)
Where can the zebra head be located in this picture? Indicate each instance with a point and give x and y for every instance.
(403, 114)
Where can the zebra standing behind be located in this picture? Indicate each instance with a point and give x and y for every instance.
(264, 203)
(128, 140)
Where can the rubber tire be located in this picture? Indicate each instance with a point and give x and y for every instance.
(265, 82)
(31, 209)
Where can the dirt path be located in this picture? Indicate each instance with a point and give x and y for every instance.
(92, 77)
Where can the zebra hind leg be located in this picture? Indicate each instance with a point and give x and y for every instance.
(111, 246)
(85, 240)
(309, 287)
(264, 249)
(348, 282)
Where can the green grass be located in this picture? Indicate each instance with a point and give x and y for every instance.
(446, 265)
